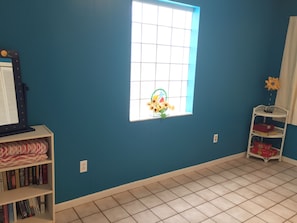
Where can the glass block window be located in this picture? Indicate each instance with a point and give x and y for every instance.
(164, 42)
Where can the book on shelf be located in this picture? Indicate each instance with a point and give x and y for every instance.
(30, 207)
(1, 214)
(34, 205)
(8, 179)
(44, 174)
(5, 213)
(22, 177)
(11, 179)
(42, 204)
(21, 209)
(40, 180)
(1, 184)
(5, 186)
(17, 178)
(10, 213)
(30, 178)
(34, 175)
(26, 175)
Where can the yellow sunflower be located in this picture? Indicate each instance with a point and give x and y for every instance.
(165, 104)
(272, 84)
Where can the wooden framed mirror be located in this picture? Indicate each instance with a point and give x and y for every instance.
(13, 112)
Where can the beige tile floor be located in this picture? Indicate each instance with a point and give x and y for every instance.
(241, 190)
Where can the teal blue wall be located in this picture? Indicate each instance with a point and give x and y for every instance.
(75, 58)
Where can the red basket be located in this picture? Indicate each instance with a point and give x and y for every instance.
(262, 127)
(263, 149)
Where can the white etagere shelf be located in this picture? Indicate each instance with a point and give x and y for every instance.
(278, 117)
(33, 191)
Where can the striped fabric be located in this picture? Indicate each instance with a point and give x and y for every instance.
(23, 152)
(21, 159)
(37, 146)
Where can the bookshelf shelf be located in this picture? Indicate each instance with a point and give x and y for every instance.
(33, 195)
(36, 219)
(48, 161)
(24, 193)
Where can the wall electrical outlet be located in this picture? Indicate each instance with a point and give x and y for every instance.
(83, 166)
(215, 138)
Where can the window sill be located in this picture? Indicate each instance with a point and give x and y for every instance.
(152, 117)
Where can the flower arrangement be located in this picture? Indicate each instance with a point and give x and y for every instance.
(272, 84)
(159, 104)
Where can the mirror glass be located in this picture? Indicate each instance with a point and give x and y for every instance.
(8, 103)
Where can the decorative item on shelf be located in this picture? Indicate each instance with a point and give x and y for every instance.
(263, 149)
(263, 127)
(4, 53)
(159, 104)
(272, 84)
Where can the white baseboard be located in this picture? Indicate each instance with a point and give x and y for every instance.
(289, 160)
(139, 183)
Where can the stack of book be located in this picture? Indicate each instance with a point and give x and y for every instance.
(31, 207)
(13, 179)
(26, 208)
(6, 214)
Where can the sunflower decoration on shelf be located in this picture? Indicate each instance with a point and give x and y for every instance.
(272, 84)
(159, 104)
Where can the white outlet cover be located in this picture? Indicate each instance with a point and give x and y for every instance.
(215, 138)
(83, 166)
